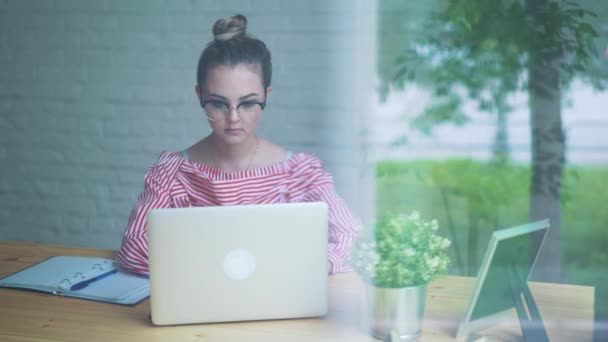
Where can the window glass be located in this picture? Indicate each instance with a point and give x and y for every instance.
(493, 114)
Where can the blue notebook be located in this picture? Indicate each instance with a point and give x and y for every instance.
(81, 277)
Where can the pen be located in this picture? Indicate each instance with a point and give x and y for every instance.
(81, 285)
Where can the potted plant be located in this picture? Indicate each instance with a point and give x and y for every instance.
(397, 260)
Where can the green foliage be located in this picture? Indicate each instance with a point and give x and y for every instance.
(486, 51)
(484, 186)
(586, 219)
(460, 191)
(399, 22)
(483, 50)
(446, 109)
(403, 250)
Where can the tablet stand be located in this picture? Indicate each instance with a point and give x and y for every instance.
(532, 327)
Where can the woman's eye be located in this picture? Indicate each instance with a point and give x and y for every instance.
(248, 104)
(217, 104)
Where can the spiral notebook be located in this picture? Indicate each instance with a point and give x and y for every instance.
(95, 279)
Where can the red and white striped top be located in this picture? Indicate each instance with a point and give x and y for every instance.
(173, 182)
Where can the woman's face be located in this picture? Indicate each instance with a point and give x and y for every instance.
(233, 98)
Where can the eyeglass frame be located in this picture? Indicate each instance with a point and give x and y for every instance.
(230, 107)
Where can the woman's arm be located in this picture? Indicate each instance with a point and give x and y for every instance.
(133, 253)
(342, 228)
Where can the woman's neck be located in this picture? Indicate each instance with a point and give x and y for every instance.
(232, 157)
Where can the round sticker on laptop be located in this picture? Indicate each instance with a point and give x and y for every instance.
(239, 264)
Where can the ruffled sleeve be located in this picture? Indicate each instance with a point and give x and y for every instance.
(342, 227)
(133, 253)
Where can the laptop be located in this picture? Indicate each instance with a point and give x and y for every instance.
(238, 263)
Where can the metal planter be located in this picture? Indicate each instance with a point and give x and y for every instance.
(396, 314)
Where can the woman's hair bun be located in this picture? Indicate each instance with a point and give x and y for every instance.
(230, 28)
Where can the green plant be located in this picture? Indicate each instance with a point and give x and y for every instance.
(416, 183)
(403, 250)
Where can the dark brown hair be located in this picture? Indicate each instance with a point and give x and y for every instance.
(231, 46)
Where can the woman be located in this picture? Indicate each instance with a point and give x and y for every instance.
(233, 165)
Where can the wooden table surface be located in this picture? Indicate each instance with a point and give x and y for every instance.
(31, 316)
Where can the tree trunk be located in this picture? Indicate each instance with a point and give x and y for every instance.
(501, 138)
(548, 149)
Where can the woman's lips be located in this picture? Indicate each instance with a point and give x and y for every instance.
(233, 131)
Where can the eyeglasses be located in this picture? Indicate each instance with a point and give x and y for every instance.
(219, 110)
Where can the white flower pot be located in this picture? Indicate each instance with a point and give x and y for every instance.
(396, 314)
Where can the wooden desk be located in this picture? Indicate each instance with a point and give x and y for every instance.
(30, 316)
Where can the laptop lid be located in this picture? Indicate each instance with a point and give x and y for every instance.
(238, 263)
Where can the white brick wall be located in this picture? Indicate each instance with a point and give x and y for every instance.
(92, 91)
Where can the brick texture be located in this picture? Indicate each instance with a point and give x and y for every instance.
(92, 91)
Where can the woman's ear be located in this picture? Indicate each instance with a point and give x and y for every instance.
(197, 91)
(268, 90)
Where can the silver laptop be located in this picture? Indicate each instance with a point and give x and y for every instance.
(238, 263)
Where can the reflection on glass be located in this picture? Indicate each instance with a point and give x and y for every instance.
(490, 121)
